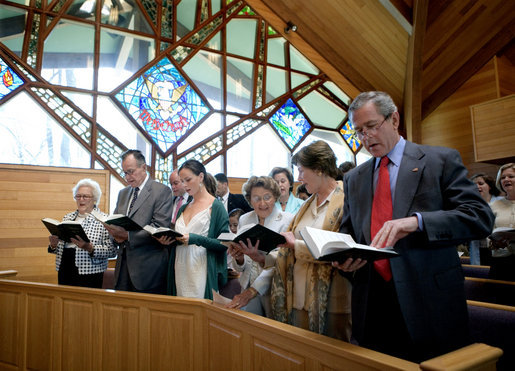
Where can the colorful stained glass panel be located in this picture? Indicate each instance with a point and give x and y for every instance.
(10, 80)
(163, 103)
(290, 123)
(349, 134)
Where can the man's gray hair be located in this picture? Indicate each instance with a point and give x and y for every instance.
(383, 102)
(95, 188)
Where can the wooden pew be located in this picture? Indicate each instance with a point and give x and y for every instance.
(465, 259)
(46, 326)
(494, 324)
(8, 273)
(490, 291)
(478, 271)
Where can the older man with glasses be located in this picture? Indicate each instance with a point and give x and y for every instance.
(142, 261)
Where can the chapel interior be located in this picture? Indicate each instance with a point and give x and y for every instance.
(72, 70)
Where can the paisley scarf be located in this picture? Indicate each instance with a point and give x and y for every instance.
(319, 274)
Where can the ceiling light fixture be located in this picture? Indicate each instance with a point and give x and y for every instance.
(290, 27)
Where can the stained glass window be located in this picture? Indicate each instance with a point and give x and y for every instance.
(290, 123)
(163, 103)
(349, 134)
(204, 79)
(10, 80)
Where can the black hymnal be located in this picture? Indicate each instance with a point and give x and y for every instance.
(65, 230)
(162, 231)
(268, 239)
(503, 233)
(118, 219)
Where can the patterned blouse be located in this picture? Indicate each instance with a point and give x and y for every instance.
(103, 247)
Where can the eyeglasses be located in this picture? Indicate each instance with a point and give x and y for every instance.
(370, 130)
(84, 197)
(129, 172)
(267, 198)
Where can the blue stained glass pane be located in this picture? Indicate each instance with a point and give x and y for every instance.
(163, 103)
(9, 79)
(290, 123)
(349, 134)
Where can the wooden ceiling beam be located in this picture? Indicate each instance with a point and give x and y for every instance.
(315, 56)
(469, 68)
(413, 87)
(404, 8)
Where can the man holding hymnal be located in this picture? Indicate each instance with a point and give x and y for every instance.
(418, 200)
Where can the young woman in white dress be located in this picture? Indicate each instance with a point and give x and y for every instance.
(198, 262)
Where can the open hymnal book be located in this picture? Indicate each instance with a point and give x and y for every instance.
(117, 219)
(162, 231)
(334, 246)
(65, 230)
(268, 239)
(503, 233)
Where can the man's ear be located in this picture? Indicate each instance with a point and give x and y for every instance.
(396, 120)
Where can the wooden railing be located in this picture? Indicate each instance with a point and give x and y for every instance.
(8, 273)
(46, 326)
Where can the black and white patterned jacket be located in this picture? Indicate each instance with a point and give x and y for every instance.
(103, 247)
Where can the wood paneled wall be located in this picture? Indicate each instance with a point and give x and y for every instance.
(50, 327)
(450, 124)
(493, 129)
(506, 76)
(28, 194)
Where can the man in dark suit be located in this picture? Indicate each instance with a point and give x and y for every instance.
(231, 201)
(412, 306)
(180, 196)
(142, 261)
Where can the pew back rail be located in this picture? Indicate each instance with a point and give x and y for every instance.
(47, 326)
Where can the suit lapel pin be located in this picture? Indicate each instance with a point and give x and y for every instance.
(415, 170)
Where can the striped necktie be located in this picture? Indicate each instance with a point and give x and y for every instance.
(134, 198)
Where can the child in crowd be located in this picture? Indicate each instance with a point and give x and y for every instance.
(234, 217)
(302, 192)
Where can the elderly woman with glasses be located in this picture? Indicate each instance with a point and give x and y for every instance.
(81, 263)
(261, 193)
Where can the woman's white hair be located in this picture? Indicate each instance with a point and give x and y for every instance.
(95, 188)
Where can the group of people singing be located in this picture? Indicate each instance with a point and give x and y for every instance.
(414, 198)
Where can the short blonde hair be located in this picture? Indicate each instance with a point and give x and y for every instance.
(510, 165)
(95, 188)
(266, 182)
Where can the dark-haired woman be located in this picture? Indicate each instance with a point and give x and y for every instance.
(490, 193)
(198, 263)
(287, 202)
(308, 293)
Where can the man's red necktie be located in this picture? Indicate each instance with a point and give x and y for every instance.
(382, 212)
